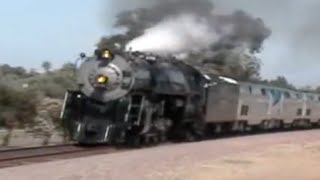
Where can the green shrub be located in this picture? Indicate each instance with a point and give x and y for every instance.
(22, 93)
(18, 107)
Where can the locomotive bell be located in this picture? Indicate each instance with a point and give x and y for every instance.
(104, 54)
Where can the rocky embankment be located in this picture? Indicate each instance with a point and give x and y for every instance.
(46, 128)
(23, 138)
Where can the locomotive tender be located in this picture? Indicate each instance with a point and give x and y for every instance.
(139, 98)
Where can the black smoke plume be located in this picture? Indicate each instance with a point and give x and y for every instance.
(194, 31)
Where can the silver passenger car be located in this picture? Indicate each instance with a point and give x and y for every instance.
(245, 103)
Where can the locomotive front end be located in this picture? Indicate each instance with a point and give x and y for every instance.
(105, 77)
(94, 113)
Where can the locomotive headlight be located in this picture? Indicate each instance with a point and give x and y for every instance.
(101, 79)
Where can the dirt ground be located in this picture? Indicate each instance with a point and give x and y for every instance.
(293, 155)
(294, 162)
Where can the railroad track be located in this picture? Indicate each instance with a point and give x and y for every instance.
(23, 156)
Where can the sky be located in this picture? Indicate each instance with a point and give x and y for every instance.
(33, 31)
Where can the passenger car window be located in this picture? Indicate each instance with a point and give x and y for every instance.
(244, 110)
(299, 112)
(310, 97)
(299, 96)
(263, 92)
(287, 95)
(308, 112)
(250, 89)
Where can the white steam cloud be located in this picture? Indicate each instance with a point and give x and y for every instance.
(175, 35)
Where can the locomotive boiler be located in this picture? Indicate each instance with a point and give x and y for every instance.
(135, 98)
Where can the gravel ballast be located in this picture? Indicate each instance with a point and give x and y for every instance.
(226, 158)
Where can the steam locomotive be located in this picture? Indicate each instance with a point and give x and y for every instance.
(135, 99)
(140, 98)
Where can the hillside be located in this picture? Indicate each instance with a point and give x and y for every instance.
(32, 101)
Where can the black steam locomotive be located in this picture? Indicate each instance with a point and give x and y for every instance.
(135, 99)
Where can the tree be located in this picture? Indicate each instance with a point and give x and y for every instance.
(281, 81)
(68, 67)
(307, 89)
(19, 71)
(46, 65)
